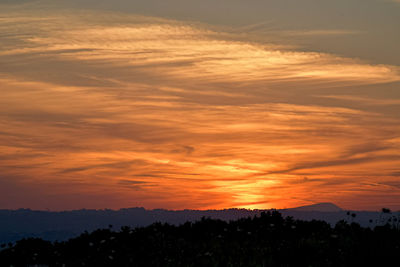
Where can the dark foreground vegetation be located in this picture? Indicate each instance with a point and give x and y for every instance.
(265, 240)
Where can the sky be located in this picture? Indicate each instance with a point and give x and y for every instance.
(194, 104)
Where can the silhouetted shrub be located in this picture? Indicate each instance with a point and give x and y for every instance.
(265, 240)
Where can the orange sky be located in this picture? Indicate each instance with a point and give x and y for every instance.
(109, 110)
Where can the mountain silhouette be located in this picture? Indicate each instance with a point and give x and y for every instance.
(321, 207)
(51, 225)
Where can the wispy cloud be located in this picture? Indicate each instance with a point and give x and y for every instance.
(320, 32)
(154, 112)
(365, 100)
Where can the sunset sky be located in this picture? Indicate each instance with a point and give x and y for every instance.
(199, 104)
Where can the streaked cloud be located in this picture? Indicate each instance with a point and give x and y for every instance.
(320, 32)
(365, 100)
(144, 111)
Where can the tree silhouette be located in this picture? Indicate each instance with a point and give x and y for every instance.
(264, 240)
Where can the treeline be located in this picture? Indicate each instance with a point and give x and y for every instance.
(265, 240)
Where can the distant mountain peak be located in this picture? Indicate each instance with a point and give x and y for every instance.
(322, 207)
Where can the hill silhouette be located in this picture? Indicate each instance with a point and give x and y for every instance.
(52, 226)
(321, 207)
